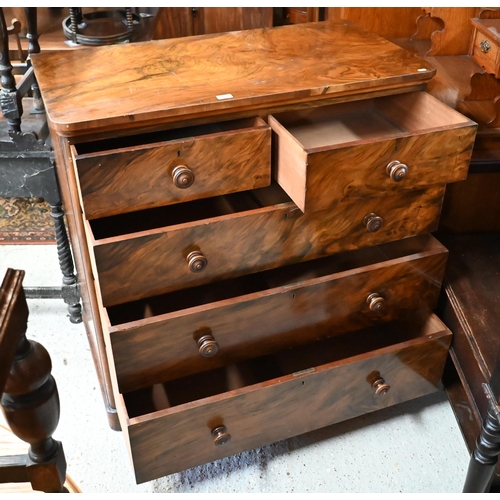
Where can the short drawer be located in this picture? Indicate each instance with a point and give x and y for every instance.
(194, 420)
(485, 44)
(148, 253)
(190, 331)
(369, 148)
(149, 170)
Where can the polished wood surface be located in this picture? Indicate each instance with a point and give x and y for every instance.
(222, 158)
(184, 77)
(158, 338)
(257, 401)
(28, 396)
(343, 151)
(251, 240)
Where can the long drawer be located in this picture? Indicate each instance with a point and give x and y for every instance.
(155, 169)
(195, 330)
(198, 419)
(369, 148)
(148, 253)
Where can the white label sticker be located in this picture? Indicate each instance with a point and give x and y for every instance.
(422, 69)
(224, 96)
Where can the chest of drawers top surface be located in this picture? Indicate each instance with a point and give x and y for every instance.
(128, 85)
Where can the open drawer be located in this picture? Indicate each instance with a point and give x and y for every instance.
(147, 253)
(148, 170)
(194, 420)
(369, 148)
(190, 331)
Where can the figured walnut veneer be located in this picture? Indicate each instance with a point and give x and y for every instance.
(154, 261)
(183, 78)
(257, 409)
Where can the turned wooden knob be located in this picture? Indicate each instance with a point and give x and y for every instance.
(373, 222)
(196, 261)
(208, 346)
(375, 302)
(182, 176)
(397, 171)
(381, 387)
(221, 436)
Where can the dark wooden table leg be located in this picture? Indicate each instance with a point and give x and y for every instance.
(70, 292)
(484, 458)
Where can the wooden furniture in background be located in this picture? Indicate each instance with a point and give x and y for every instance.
(26, 159)
(29, 398)
(219, 298)
(172, 22)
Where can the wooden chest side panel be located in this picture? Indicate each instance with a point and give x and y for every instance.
(171, 441)
(150, 351)
(141, 178)
(135, 267)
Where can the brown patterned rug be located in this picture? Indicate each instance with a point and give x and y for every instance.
(25, 221)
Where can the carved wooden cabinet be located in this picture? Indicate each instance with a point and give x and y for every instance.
(250, 214)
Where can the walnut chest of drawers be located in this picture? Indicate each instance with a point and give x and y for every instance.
(250, 216)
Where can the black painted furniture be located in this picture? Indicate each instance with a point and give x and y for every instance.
(27, 166)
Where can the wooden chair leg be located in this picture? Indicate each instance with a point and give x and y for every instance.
(30, 401)
(485, 457)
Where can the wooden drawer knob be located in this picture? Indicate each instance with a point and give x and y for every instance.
(381, 387)
(182, 176)
(221, 436)
(208, 346)
(375, 302)
(373, 222)
(196, 261)
(397, 171)
(485, 46)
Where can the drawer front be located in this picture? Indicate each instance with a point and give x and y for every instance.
(145, 176)
(395, 144)
(144, 264)
(485, 52)
(299, 311)
(180, 437)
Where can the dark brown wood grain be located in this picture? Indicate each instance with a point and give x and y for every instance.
(224, 158)
(327, 154)
(184, 77)
(258, 410)
(300, 304)
(136, 265)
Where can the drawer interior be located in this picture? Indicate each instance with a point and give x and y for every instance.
(150, 138)
(373, 119)
(286, 276)
(192, 211)
(291, 362)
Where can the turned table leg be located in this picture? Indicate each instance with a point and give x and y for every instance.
(484, 458)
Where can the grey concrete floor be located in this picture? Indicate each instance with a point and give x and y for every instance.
(414, 447)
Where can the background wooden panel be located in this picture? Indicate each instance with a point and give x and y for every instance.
(388, 22)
